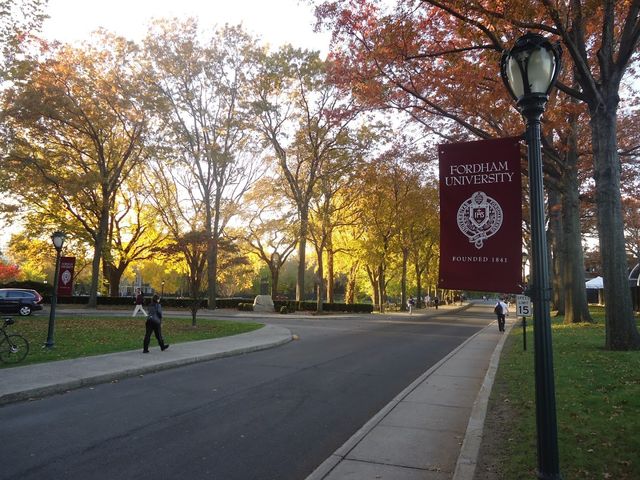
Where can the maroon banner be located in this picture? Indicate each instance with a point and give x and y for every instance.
(481, 216)
(65, 276)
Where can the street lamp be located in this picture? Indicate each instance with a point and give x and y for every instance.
(162, 289)
(529, 71)
(58, 241)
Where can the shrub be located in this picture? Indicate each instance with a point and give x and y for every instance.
(284, 309)
(245, 307)
(293, 306)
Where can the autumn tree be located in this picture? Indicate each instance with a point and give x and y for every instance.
(601, 39)
(269, 226)
(382, 206)
(420, 31)
(181, 214)
(200, 84)
(330, 206)
(133, 235)
(19, 19)
(423, 232)
(305, 120)
(78, 124)
(8, 272)
(36, 257)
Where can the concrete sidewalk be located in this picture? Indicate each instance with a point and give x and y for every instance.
(433, 429)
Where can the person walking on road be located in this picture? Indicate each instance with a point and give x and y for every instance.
(154, 324)
(138, 303)
(501, 310)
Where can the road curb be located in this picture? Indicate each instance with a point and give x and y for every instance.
(468, 457)
(280, 337)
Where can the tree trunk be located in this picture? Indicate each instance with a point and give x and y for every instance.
(302, 245)
(374, 284)
(320, 281)
(573, 286)
(418, 270)
(556, 250)
(213, 235)
(101, 236)
(350, 294)
(403, 280)
(381, 287)
(330, 272)
(621, 330)
(194, 292)
(115, 276)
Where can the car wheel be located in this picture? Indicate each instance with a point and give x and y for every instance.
(25, 310)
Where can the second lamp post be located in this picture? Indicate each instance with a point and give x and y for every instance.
(58, 242)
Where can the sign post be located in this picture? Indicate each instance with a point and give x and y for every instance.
(523, 305)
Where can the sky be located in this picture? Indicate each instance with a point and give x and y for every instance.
(275, 22)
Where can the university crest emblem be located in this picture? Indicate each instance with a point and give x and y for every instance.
(479, 217)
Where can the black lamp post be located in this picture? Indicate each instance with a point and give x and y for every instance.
(162, 289)
(58, 242)
(529, 71)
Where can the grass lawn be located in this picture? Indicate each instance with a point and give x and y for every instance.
(85, 335)
(597, 401)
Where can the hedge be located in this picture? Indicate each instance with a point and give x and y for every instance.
(292, 306)
(166, 302)
(233, 302)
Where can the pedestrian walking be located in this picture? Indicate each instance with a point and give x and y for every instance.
(436, 302)
(501, 310)
(138, 303)
(154, 324)
(411, 303)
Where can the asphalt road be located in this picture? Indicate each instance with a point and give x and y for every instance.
(275, 414)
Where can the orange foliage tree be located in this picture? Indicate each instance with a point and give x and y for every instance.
(438, 62)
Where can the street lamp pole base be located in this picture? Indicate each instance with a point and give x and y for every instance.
(549, 476)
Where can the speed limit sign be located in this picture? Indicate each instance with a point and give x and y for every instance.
(523, 304)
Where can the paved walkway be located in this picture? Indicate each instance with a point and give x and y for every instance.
(433, 429)
(430, 431)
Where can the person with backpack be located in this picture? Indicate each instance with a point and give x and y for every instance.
(501, 310)
(154, 324)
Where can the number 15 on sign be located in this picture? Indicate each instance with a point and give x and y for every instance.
(523, 304)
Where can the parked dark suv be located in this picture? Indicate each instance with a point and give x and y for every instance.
(19, 300)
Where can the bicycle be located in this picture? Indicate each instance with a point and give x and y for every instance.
(13, 347)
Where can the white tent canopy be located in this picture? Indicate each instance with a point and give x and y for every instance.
(595, 283)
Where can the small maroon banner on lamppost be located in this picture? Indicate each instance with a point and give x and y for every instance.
(481, 216)
(65, 276)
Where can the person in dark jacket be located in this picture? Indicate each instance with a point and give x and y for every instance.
(154, 324)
